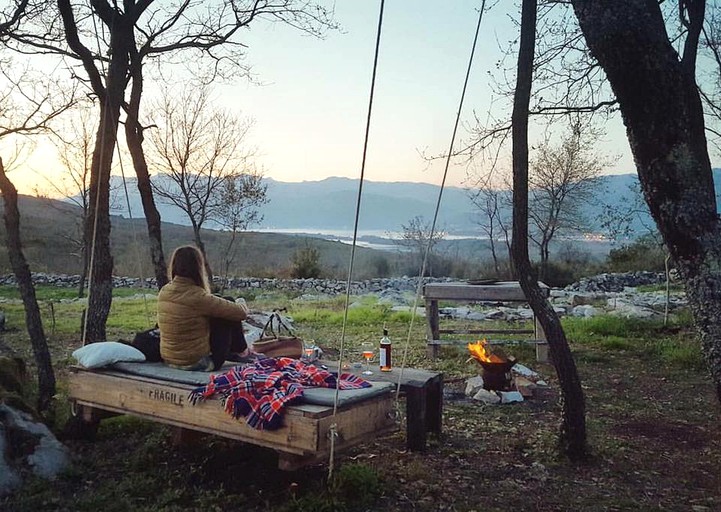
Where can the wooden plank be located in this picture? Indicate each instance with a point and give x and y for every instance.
(302, 440)
(354, 424)
(461, 343)
(416, 411)
(432, 325)
(486, 331)
(167, 403)
(434, 405)
(504, 291)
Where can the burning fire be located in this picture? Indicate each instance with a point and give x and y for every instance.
(482, 352)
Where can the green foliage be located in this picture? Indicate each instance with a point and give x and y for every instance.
(589, 328)
(564, 271)
(642, 254)
(306, 263)
(356, 484)
(674, 345)
(684, 354)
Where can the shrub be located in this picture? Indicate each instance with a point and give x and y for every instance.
(643, 254)
(306, 263)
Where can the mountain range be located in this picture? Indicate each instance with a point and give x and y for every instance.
(329, 205)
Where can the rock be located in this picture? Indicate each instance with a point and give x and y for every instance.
(488, 397)
(495, 314)
(560, 310)
(9, 478)
(473, 385)
(44, 455)
(524, 386)
(581, 300)
(541, 383)
(525, 371)
(509, 397)
(252, 333)
(392, 297)
(476, 315)
(525, 313)
(584, 311)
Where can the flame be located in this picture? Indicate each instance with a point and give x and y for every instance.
(482, 352)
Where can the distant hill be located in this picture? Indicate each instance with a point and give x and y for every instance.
(329, 205)
(49, 229)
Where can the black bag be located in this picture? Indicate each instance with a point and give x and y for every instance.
(148, 342)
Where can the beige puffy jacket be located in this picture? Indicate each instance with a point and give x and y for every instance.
(184, 310)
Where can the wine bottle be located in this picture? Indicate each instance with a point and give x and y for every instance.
(385, 352)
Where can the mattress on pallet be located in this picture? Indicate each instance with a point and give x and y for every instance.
(311, 395)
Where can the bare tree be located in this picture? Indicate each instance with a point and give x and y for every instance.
(197, 149)
(240, 197)
(34, 107)
(491, 202)
(111, 42)
(663, 112)
(573, 427)
(417, 237)
(75, 149)
(563, 180)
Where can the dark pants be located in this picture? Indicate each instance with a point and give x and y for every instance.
(226, 337)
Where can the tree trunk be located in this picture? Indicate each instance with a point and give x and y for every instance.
(97, 227)
(663, 114)
(199, 243)
(573, 427)
(134, 138)
(83, 270)
(33, 320)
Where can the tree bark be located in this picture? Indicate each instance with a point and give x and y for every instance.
(572, 438)
(97, 227)
(134, 138)
(661, 108)
(33, 320)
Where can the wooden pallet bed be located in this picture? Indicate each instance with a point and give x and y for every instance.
(303, 439)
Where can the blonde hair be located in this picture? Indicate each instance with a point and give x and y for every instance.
(187, 261)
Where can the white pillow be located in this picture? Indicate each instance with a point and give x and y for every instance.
(104, 353)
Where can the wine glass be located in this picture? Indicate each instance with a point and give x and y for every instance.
(368, 350)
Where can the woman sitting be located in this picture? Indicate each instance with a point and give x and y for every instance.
(198, 330)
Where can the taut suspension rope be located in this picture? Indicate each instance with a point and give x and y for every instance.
(333, 427)
(419, 288)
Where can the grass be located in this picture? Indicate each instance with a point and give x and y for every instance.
(651, 423)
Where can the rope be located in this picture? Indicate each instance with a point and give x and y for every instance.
(419, 288)
(355, 237)
(103, 123)
(91, 263)
(135, 238)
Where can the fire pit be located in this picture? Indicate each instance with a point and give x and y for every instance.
(496, 369)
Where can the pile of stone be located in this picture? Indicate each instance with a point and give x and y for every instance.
(616, 282)
(525, 384)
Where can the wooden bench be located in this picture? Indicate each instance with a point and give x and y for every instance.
(424, 400)
(499, 291)
(303, 439)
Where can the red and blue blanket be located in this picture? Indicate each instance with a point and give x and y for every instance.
(259, 391)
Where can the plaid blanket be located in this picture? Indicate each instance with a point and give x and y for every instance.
(259, 391)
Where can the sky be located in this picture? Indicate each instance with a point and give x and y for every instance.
(310, 117)
(311, 104)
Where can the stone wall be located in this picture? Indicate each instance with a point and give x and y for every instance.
(313, 286)
(599, 283)
(616, 282)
